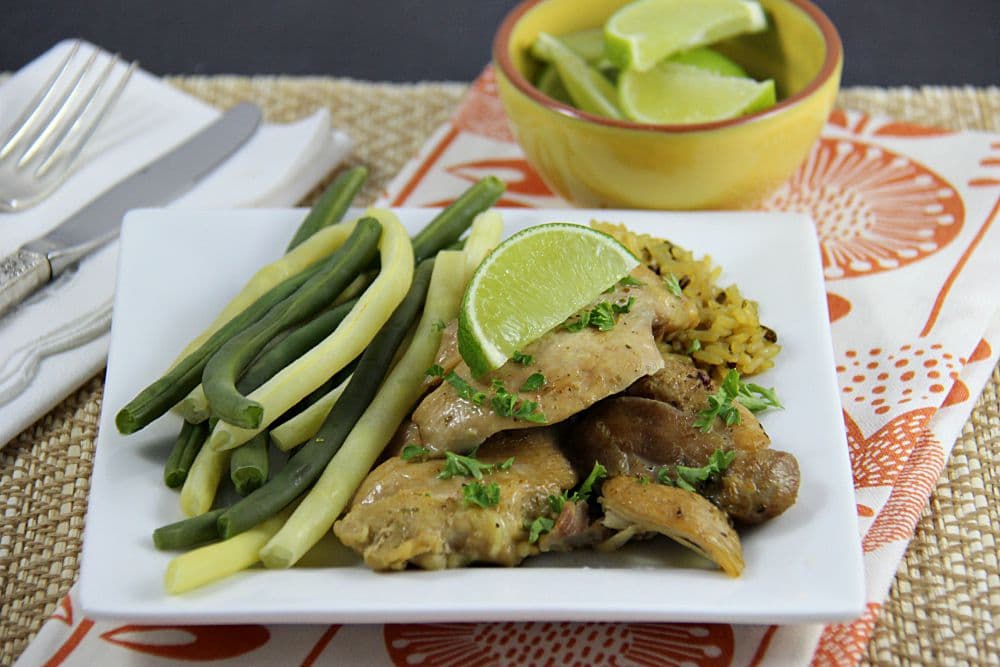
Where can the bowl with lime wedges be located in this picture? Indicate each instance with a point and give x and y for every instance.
(666, 104)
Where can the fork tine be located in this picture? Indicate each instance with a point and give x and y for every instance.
(74, 135)
(63, 111)
(23, 124)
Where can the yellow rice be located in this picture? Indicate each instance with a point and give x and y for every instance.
(729, 333)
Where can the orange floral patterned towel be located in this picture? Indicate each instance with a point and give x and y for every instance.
(906, 221)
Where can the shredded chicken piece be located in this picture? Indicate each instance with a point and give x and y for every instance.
(637, 509)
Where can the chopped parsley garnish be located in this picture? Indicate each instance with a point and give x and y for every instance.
(596, 473)
(581, 494)
(465, 465)
(538, 527)
(673, 285)
(438, 325)
(556, 503)
(505, 465)
(629, 281)
(413, 452)
(528, 411)
(602, 317)
(580, 323)
(464, 389)
(620, 308)
(720, 404)
(756, 398)
(534, 382)
(523, 359)
(689, 478)
(506, 404)
(482, 495)
(434, 371)
(503, 402)
(694, 346)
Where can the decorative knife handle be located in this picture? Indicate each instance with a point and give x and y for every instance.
(21, 273)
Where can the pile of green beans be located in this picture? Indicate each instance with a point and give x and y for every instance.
(271, 333)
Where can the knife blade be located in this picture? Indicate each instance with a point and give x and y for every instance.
(160, 182)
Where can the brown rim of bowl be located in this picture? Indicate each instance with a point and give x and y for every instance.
(501, 56)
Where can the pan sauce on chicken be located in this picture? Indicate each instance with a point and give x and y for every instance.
(580, 368)
(609, 397)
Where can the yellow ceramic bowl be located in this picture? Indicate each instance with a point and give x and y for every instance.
(599, 162)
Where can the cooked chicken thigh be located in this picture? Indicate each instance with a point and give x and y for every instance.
(637, 436)
(580, 368)
(405, 514)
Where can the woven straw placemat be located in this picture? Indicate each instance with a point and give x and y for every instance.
(945, 599)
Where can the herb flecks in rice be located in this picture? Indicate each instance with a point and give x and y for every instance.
(729, 333)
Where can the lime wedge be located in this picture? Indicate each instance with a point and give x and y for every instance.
(710, 61)
(531, 283)
(550, 84)
(642, 33)
(588, 44)
(671, 93)
(587, 87)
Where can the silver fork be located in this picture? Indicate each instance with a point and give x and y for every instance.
(43, 144)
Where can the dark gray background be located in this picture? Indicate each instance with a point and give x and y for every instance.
(887, 42)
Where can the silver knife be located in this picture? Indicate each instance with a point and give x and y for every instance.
(160, 182)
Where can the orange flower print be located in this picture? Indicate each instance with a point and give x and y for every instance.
(843, 644)
(622, 644)
(875, 210)
(908, 377)
(878, 460)
(190, 642)
(519, 177)
(837, 306)
(481, 111)
(898, 518)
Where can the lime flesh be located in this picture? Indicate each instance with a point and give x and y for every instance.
(642, 33)
(588, 44)
(588, 88)
(711, 61)
(531, 283)
(672, 93)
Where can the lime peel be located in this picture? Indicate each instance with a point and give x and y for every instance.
(673, 93)
(643, 33)
(588, 88)
(531, 283)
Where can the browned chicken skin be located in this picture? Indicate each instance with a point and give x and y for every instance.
(580, 368)
(404, 514)
(636, 509)
(757, 486)
(633, 435)
(687, 388)
(637, 436)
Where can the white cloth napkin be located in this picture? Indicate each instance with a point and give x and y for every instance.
(58, 339)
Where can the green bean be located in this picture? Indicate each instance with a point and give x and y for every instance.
(224, 367)
(175, 384)
(275, 357)
(188, 533)
(319, 392)
(452, 222)
(306, 465)
(332, 204)
(189, 441)
(248, 466)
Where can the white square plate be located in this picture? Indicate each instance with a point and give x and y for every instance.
(176, 271)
